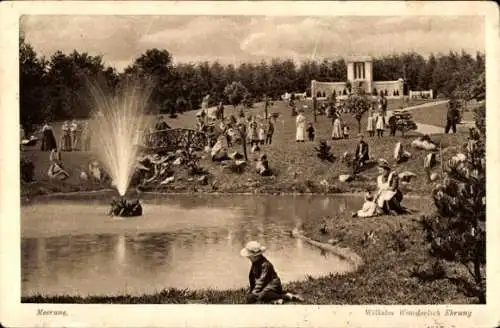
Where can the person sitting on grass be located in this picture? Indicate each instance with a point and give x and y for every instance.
(369, 209)
(361, 154)
(265, 285)
(56, 170)
(262, 166)
(389, 196)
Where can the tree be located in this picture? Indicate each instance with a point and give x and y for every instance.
(357, 105)
(33, 108)
(157, 65)
(235, 93)
(456, 232)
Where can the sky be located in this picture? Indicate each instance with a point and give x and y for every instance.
(234, 39)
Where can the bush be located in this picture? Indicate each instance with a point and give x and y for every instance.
(27, 170)
(480, 118)
(457, 230)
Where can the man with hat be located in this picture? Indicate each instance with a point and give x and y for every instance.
(265, 285)
(361, 154)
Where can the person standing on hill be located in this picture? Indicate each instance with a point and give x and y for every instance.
(48, 139)
(383, 105)
(300, 127)
(65, 137)
(452, 116)
(337, 132)
(310, 132)
(379, 124)
(370, 124)
(269, 131)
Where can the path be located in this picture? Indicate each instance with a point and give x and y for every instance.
(425, 128)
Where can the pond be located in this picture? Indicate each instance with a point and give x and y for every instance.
(70, 246)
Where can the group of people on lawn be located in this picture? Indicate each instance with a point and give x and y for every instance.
(258, 131)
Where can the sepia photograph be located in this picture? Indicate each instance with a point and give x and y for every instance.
(268, 159)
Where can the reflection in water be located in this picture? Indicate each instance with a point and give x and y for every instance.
(69, 247)
(120, 251)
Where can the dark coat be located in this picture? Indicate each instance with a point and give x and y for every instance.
(364, 153)
(263, 277)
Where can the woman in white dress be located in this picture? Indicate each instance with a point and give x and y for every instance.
(301, 127)
(388, 196)
(337, 132)
(380, 124)
(370, 126)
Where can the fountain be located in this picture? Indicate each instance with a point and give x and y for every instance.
(117, 118)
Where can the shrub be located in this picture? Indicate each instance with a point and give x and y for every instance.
(456, 232)
(27, 170)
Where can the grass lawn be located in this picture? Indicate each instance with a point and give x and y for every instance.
(436, 115)
(384, 278)
(295, 165)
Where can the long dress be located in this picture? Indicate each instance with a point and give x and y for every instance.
(385, 191)
(337, 132)
(66, 138)
(379, 122)
(301, 127)
(370, 126)
(48, 139)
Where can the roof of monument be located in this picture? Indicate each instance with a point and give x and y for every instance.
(351, 59)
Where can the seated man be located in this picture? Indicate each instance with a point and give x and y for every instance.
(361, 154)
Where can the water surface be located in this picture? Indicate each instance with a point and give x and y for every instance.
(71, 247)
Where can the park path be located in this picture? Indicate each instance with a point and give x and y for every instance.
(425, 128)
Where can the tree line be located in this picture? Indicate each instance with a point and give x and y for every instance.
(52, 88)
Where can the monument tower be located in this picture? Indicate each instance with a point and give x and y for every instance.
(360, 72)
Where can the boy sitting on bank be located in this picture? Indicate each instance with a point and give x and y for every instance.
(265, 285)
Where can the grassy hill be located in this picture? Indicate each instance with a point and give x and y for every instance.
(295, 165)
(385, 277)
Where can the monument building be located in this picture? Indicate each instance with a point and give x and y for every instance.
(359, 75)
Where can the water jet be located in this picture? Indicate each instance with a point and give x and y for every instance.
(117, 118)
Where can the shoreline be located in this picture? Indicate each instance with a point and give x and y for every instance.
(213, 193)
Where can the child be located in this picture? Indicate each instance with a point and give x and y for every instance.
(262, 134)
(310, 132)
(346, 132)
(369, 208)
(265, 285)
(269, 132)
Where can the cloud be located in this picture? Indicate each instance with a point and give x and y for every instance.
(232, 39)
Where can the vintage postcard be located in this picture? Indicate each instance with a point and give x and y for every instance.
(249, 164)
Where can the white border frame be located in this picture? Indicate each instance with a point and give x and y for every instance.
(15, 314)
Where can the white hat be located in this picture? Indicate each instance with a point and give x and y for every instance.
(252, 248)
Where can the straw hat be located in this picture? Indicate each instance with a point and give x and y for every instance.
(384, 164)
(252, 248)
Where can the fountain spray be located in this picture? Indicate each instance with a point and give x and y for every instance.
(117, 118)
